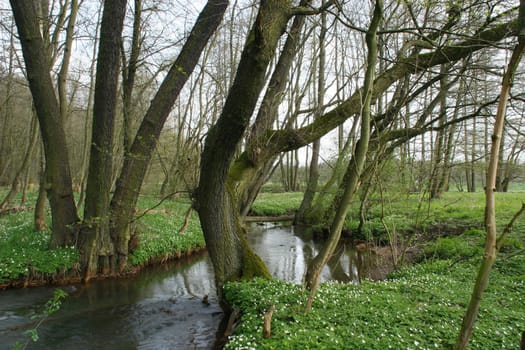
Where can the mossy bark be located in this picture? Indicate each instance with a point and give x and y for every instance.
(220, 178)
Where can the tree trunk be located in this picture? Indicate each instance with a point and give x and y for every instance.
(94, 241)
(128, 76)
(134, 167)
(40, 205)
(268, 114)
(313, 178)
(355, 166)
(437, 164)
(492, 243)
(217, 204)
(58, 177)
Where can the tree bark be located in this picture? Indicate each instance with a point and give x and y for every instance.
(491, 242)
(218, 209)
(137, 161)
(129, 72)
(94, 241)
(268, 114)
(58, 178)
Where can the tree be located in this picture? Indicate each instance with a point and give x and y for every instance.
(492, 242)
(217, 207)
(58, 177)
(94, 241)
(356, 164)
(104, 248)
(141, 151)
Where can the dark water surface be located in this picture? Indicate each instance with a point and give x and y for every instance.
(161, 308)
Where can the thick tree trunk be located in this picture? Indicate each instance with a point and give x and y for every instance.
(58, 177)
(137, 161)
(216, 202)
(94, 241)
(267, 115)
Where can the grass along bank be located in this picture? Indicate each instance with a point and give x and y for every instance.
(26, 260)
(420, 307)
(417, 307)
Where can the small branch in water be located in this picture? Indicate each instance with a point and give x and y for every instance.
(267, 323)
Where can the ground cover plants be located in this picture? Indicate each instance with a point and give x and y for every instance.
(419, 307)
(26, 259)
(274, 204)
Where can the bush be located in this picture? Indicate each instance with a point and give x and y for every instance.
(452, 248)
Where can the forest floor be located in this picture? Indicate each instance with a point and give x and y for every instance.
(415, 307)
(158, 235)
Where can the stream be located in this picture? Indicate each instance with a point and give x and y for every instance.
(162, 307)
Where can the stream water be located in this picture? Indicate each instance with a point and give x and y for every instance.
(161, 308)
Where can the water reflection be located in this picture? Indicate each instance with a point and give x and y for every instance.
(161, 308)
(287, 250)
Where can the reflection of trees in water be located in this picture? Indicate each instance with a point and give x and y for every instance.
(335, 264)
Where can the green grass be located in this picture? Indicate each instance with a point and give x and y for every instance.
(159, 235)
(417, 308)
(25, 253)
(274, 204)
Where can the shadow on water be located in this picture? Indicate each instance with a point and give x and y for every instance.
(162, 308)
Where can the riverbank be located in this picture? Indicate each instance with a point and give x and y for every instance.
(410, 304)
(160, 235)
(416, 307)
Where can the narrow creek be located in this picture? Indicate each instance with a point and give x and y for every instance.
(162, 308)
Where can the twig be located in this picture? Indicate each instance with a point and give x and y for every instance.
(508, 228)
(156, 205)
(186, 220)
